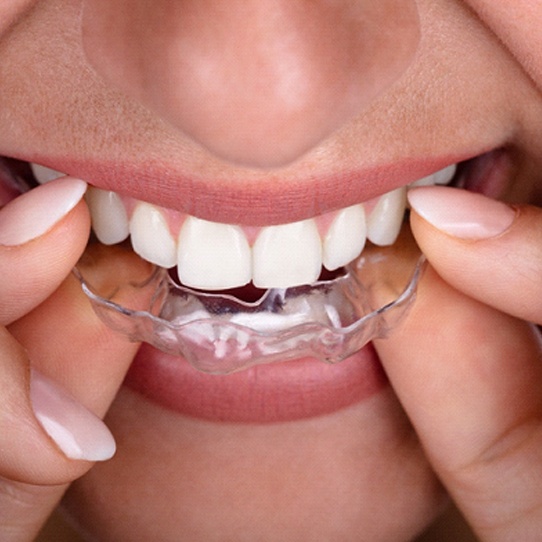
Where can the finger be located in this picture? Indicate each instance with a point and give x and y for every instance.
(86, 357)
(64, 340)
(47, 438)
(469, 377)
(42, 234)
(485, 248)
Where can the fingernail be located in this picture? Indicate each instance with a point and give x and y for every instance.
(460, 213)
(78, 433)
(37, 211)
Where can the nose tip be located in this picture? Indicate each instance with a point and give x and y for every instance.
(256, 82)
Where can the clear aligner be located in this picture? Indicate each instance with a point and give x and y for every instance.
(217, 333)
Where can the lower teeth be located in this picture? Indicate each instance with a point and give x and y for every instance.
(217, 333)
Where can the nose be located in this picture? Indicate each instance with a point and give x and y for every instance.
(256, 82)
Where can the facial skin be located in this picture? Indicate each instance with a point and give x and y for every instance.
(83, 89)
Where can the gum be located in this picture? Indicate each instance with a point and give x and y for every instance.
(175, 219)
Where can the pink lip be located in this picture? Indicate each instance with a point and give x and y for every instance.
(252, 199)
(266, 393)
(263, 394)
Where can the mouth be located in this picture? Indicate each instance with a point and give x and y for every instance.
(214, 256)
(225, 258)
(211, 255)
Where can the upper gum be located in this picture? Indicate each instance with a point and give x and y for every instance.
(175, 219)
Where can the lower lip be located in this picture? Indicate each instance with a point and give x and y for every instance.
(271, 393)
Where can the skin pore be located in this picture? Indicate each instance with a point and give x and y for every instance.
(90, 88)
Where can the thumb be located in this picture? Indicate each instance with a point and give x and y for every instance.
(47, 437)
(78, 364)
(59, 366)
(487, 249)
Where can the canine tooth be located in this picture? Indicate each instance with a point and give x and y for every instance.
(345, 238)
(424, 181)
(109, 219)
(444, 176)
(213, 256)
(150, 236)
(386, 218)
(44, 174)
(287, 255)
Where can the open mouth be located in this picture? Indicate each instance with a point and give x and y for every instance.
(214, 256)
(216, 328)
(247, 261)
(312, 267)
(230, 258)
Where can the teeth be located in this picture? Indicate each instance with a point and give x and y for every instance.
(444, 176)
(44, 174)
(345, 238)
(151, 238)
(109, 219)
(287, 255)
(213, 256)
(386, 218)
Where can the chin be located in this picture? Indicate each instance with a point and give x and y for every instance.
(354, 474)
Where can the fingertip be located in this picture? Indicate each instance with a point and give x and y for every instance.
(501, 269)
(28, 454)
(36, 212)
(461, 214)
(77, 432)
(33, 270)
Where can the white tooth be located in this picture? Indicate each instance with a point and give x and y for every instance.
(424, 181)
(213, 256)
(444, 176)
(386, 218)
(44, 174)
(345, 238)
(109, 219)
(150, 236)
(287, 255)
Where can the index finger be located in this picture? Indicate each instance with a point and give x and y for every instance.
(469, 378)
(485, 248)
(42, 235)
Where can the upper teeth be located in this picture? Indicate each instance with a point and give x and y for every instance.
(212, 255)
(288, 255)
(109, 218)
(215, 256)
(385, 220)
(345, 238)
(44, 174)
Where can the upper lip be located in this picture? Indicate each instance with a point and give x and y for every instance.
(260, 199)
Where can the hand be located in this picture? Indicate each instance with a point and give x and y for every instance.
(50, 430)
(467, 362)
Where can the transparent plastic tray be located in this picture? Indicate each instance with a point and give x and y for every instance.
(217, 333)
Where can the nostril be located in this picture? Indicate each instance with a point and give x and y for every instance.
(256, 82)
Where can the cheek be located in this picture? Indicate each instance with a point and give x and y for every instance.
(359, 470)
(517, 25)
